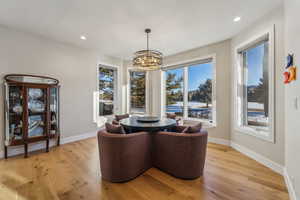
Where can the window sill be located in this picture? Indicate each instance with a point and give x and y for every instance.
(101, 120)
(205, 124)
(209, 125)
(137, 113)
(260, 134)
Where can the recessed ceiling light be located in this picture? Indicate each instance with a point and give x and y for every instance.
(236, 19)
(83, 37)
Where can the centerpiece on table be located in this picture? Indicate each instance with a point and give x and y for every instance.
(148, 119)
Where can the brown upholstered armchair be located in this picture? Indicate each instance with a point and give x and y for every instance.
(117, 119)
(180, 154)
(124, 156)
(173, 116)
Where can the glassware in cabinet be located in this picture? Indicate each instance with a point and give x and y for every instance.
(37, 112)
(54, 110)
(13, 113)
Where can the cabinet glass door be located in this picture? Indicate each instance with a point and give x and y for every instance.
(14, 113)
(54, 117)
(37, 112)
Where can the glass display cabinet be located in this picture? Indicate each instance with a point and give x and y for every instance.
(31, 110)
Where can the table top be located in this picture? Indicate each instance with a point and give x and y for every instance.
(132, 122)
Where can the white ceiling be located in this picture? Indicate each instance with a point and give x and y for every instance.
(116, 27)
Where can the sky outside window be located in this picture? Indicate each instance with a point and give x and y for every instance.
(255, 58)
(198, 74)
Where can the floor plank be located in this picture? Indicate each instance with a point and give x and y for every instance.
(72, 172)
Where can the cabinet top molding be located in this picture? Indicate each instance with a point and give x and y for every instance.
(30, 79)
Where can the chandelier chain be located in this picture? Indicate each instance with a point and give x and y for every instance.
(147, 41)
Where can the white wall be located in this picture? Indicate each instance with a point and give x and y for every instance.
(292, 91)
(273, 151)
(74, 67)
(222, 52)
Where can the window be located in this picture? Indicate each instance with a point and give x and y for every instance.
(107, 90)
(254, 86)
(137, 91)
(189, 90)
(200, 91)
(174, 91)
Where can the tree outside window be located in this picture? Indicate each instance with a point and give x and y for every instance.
(137, 91)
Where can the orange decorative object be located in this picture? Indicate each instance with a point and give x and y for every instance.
(286, 77)
(292, 72)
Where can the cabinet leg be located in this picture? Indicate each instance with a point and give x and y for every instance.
(47, 145)
(58, 140)
(5, 152)
(26, 150)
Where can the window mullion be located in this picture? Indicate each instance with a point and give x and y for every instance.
(115, 93)
(148, 93)
(245, 95)
(185, 92)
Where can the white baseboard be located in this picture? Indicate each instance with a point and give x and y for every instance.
(78, 137)
(268, 163)
(289, 184)
(1, 154)
(219, 141)
(13, 151)
(259, 158)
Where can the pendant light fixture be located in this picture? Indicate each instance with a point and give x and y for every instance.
(148, 60)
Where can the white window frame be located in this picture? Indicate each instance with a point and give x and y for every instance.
(117, 95)
(238, 84)
(147, 100)
(184, 65)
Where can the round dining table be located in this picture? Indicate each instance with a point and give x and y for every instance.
(132, 124)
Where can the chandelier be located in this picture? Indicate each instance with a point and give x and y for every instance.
(148, 60)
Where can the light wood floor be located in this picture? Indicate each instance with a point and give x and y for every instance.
(72, 172)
